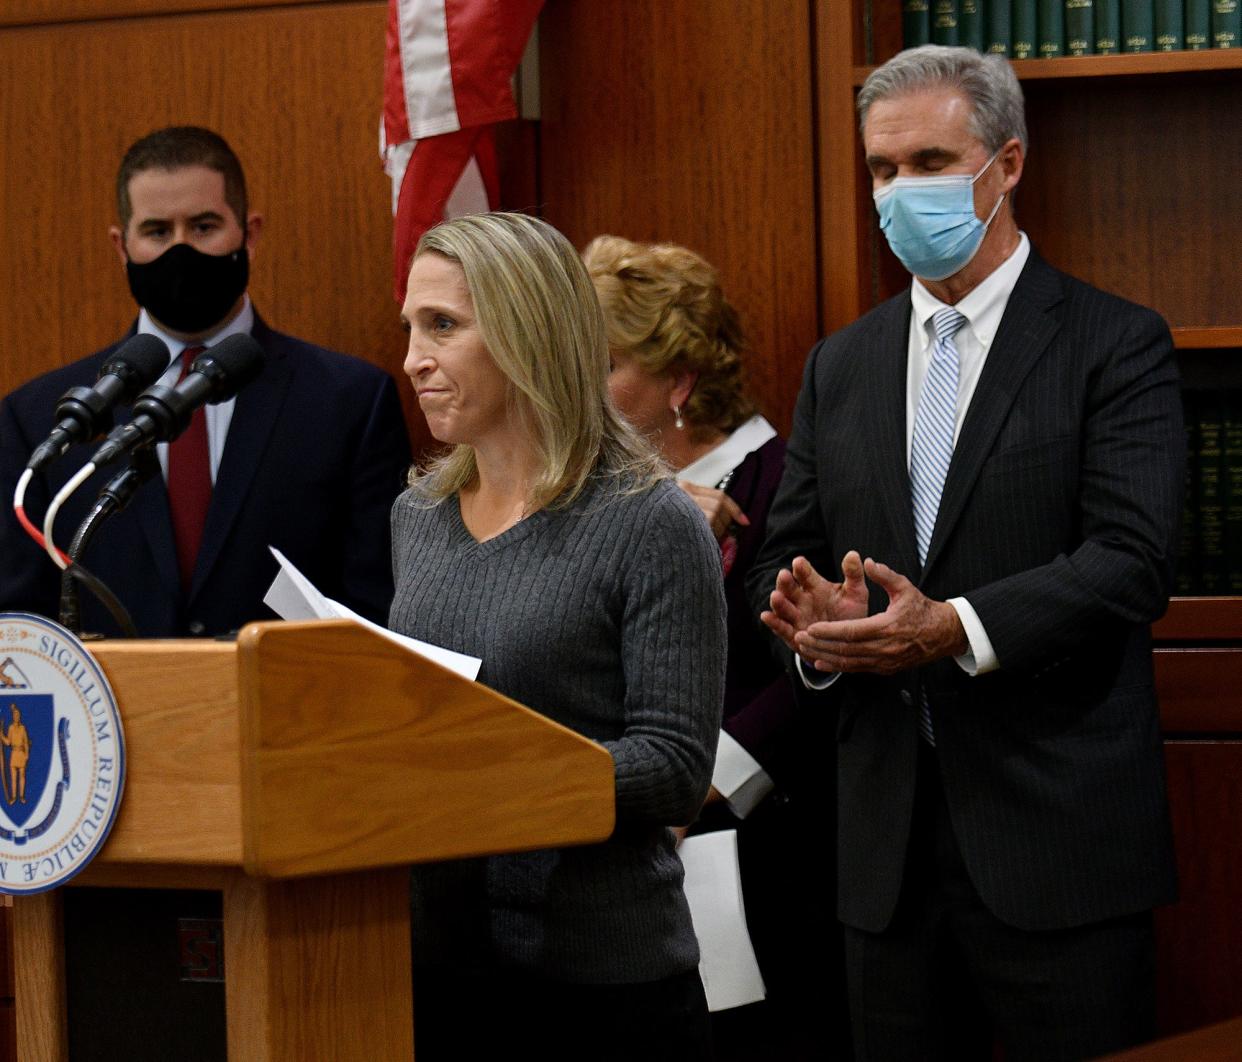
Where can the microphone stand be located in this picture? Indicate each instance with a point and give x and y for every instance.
(114, 497)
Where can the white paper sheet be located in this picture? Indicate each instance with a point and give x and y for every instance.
(727, 961)
(294, 597)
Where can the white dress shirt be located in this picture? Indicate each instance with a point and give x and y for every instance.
(219, 414)
(983, 309)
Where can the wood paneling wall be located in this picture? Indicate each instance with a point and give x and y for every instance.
(693, 122)
(295, 88)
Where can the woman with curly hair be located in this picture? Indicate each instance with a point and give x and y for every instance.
(677, 351)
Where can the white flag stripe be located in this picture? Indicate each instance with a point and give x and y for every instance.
(396, 159)
(422, 33)
(469, 195)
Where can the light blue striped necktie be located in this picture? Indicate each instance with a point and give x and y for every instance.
(931, 448)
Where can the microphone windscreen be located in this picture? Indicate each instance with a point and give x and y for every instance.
(230, 365)
(139, 361)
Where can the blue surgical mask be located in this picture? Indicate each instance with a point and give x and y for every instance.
(930, 222)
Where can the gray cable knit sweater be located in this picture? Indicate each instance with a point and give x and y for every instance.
(607, 616)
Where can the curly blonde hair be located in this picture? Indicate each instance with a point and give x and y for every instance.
(663, 306)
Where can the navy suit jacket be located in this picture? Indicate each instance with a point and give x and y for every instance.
(1057, 523)
(316, 452)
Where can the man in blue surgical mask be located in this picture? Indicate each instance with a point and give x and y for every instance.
(975, 528)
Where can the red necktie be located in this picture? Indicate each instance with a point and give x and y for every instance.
(189, 482)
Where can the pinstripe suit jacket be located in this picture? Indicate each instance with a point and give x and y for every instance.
(1057, 523)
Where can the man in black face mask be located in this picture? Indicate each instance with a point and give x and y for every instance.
(307, 458)
(186, 243)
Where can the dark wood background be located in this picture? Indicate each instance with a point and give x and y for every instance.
(726, 125)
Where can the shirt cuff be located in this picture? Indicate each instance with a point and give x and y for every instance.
(812, 679)
(738, 777)
(980, 658)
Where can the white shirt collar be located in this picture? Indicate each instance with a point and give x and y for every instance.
(240, 325)
(718, 462)
(984, 307)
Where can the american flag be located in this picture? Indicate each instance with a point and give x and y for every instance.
(448, 66)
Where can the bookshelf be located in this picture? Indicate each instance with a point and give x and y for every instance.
(1201, 619)
(1144, 64)
(1130, 184)
(1214, 338)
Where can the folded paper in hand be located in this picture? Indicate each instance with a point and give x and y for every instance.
(294, 597)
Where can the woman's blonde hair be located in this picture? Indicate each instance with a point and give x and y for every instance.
(541, 322)
(663, 307)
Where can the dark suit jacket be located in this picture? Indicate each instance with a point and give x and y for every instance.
(759, 700)
(1057, 523)
(316, 452)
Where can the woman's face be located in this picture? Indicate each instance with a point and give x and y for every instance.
(460, 390)
(643, 398)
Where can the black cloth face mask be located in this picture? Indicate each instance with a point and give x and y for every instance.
(187, 290)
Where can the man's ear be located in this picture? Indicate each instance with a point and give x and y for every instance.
(254, 229)
(118, 241)
(1011, 160)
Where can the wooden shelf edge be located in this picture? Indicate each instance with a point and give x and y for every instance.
(1200, 619)
(1127, 65)
(23, 14)
(1208, 337)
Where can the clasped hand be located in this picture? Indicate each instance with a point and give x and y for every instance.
(826, 623)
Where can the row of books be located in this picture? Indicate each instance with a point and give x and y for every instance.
(1210, 555)
(1047, 29)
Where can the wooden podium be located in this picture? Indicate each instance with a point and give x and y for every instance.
(300, 771)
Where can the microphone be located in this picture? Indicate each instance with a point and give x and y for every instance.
(162, 413)
(83, 412)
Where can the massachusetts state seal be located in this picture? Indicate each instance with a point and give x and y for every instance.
(62, 755)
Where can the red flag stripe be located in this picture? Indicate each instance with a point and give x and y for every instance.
(432, 173)
(448, 66)
(396, 120)
(485, 43)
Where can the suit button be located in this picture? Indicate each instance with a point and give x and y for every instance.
(907, 698)
(197, 627)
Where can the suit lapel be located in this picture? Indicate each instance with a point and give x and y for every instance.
(255, 413)
(886, 446)
(150, 509)
(1025, 331)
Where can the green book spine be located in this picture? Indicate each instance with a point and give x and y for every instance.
(1232, 490)
(1136, 25)
(1209, 497)
(1107, 27)
(1169, 35)
(999, 32)
(1051, 28)
(1226, 23)
(1187, 579)
(1198, 25)
(1079, 27)
(1023, 22)
(915, 22)
(970, 24)
(946, 14)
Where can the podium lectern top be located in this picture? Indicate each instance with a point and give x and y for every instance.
(321, 747)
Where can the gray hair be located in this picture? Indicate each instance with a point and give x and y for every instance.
(987, 81)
